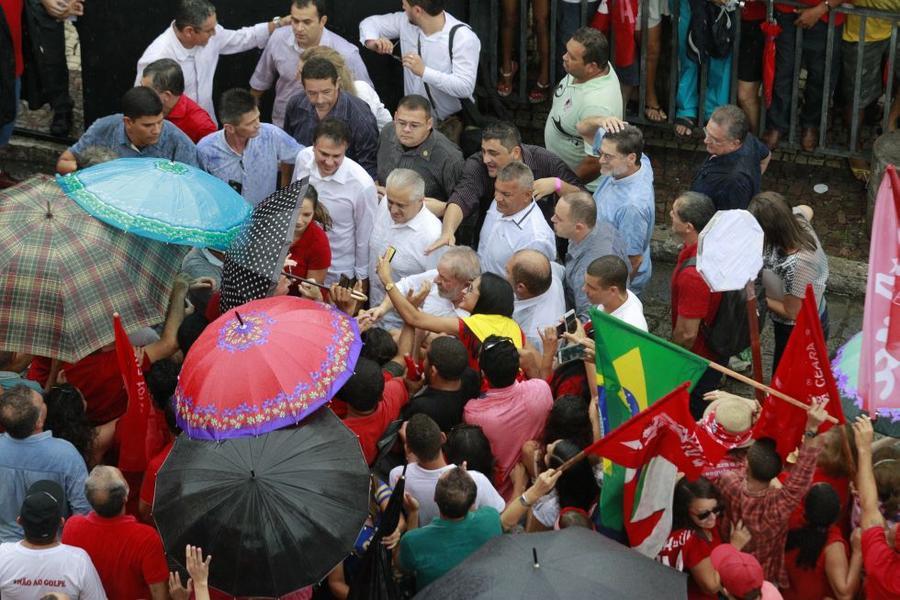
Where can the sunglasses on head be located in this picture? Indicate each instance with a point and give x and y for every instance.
(706, 513)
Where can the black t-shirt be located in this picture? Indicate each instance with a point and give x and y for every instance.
(445, 407)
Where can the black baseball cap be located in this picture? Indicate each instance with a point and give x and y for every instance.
(42, 510)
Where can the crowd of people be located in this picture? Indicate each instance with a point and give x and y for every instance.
(471, 265)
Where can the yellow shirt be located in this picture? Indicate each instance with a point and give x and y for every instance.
(876, 29)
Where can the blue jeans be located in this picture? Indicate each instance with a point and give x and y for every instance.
(6, 130)
(718, 79)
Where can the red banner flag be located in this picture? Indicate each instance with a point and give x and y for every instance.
(804, 373)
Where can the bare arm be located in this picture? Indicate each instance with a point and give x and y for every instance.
(588, 169)
(764, 164)
(516, 510)
(409, 313)
(257, 93)
(286, 173)
(706, 577)
(159, 591)
(788, 307)
(453, 216)
(685, 332)
(167, 344)
(865, 476)
(844, 577)
(635, 263)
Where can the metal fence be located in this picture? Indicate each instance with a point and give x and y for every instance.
(834, 146)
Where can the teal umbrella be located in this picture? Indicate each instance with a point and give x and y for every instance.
(845, 367)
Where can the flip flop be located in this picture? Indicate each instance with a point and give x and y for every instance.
(860, 169)
(658, 111)
(686, 123)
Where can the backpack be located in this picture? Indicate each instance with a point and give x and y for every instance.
(729, 332)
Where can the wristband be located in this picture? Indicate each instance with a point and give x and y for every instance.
(524, 501)
(557, 184)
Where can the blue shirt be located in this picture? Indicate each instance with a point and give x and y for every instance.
(109, 132)
(257, 168)
(24, 462)
(629, 205)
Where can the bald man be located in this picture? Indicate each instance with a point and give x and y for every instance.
(128, 555)
(539, 297)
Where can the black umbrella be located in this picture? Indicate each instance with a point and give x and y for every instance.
(570, 563)
(256, 258)
(277, 512)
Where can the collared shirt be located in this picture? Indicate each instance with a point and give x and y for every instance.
(39, 456)
(475, 190)
(367, 94)
(501, 237)
(629, 205)
(447, 82)
(409, 239)
(199, 63)
(301, 120)
(732, 179)
(257, 168)
(109, 132)
(572, 102)
(438, 160)
(544, 310)
(631, 311)
(434, 303)
(281, 57)
(603, 240)
(187, 116)
(350, 197)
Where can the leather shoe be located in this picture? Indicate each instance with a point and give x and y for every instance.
(810, 139)
(771, 137)
(61, 124)
(7, 180)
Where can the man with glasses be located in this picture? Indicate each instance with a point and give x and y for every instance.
(732, 173)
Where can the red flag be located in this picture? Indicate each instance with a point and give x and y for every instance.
(804, 373)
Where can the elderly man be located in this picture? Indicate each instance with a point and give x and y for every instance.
(513, 222)
(732, 172)
(575, 219)
(164, 76)
(539, 298)
(128, 555)
(140, 130)
(322, 99)
(196, 40)
(403, 223)
(250, 156)
(29, 454)
(412, 143)
(347, 192)
(281, 56)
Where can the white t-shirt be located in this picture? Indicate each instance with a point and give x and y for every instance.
(29, 574)
(420, 484)
(631, 311)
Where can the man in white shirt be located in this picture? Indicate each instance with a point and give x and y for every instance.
(424, 440)
(605, 286)
(403, 222)
(279, 61)
(347, 191)
(424, 29)
(539, 298)
(195, 40)
(514, 221)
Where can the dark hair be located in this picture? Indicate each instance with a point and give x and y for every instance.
(734, 120)
(577, 486)
(449, 357)
(337, 131)
(455, 493)
(67, 419)
(162, 379)
(569, 419)
(234, 104)
(468, 444)
(499, 362)
(423, 436)
(140, 102)
(887, 482)
(822, 507)
(320, 213)
(363, 389)
(695, 208)
(628, 140)
(504, 132)
(536, 275)
(18, 414)
(596, 46)
(378, 345)
(495, 296)
(192, 13)
(763, 462)
(319, 68)
(685, 493)
(165, 76)
(432, 7)
(189, 330)
(783, 230)
(610, 270)
(321, 6)
(416, 102)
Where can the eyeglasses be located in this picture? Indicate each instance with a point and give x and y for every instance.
(707, 513)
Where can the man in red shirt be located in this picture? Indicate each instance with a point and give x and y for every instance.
(693, 303)
(128, 555)
(166, 78)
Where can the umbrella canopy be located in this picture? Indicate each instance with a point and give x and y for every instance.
(571, 563)
(63, 274)
(771, 30)
(846, 372)
(263, 366)
(277, 512)
(256, 258)
(160, 199)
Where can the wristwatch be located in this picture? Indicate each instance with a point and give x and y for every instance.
(277, 21)
(389, 287)
(524, 501)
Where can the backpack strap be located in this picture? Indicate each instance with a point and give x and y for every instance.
(691, 262)
(449, 48)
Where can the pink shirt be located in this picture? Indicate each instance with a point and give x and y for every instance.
(510, 417)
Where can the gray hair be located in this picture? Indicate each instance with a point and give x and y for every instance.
(734, 120)
(694, 208)
(407, 179)
(582, 208)
(192, 13)
(165, 76)
(519, 172)
(462, 262)
(106, 490)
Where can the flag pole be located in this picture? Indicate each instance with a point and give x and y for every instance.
(755, 349)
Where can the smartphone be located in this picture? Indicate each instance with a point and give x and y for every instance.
(569, 324)
(570, 353)
(389, 253)
(344, 281)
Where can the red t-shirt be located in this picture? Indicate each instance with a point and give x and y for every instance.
(370, 427)
(841, 486)
(190, 118)
(692, 299)
(148, 485)
(312, 251)
(128, 555)
(754, 10)
(882, 566)
(12, 10)
(811, 584)
(684, 550)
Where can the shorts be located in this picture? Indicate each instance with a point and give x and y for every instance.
(656, 9)
(750, 51)
(871, 83)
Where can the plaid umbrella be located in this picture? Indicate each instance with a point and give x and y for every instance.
(63, 274)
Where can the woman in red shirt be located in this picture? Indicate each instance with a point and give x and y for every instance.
(816, 554)
(310, 249)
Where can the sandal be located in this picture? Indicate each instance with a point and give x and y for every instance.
(860, 169)
(687, 127)
(505, 84)
(655, 111)
(538, 94)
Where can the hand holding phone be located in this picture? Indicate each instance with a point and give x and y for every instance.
(569, 324)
